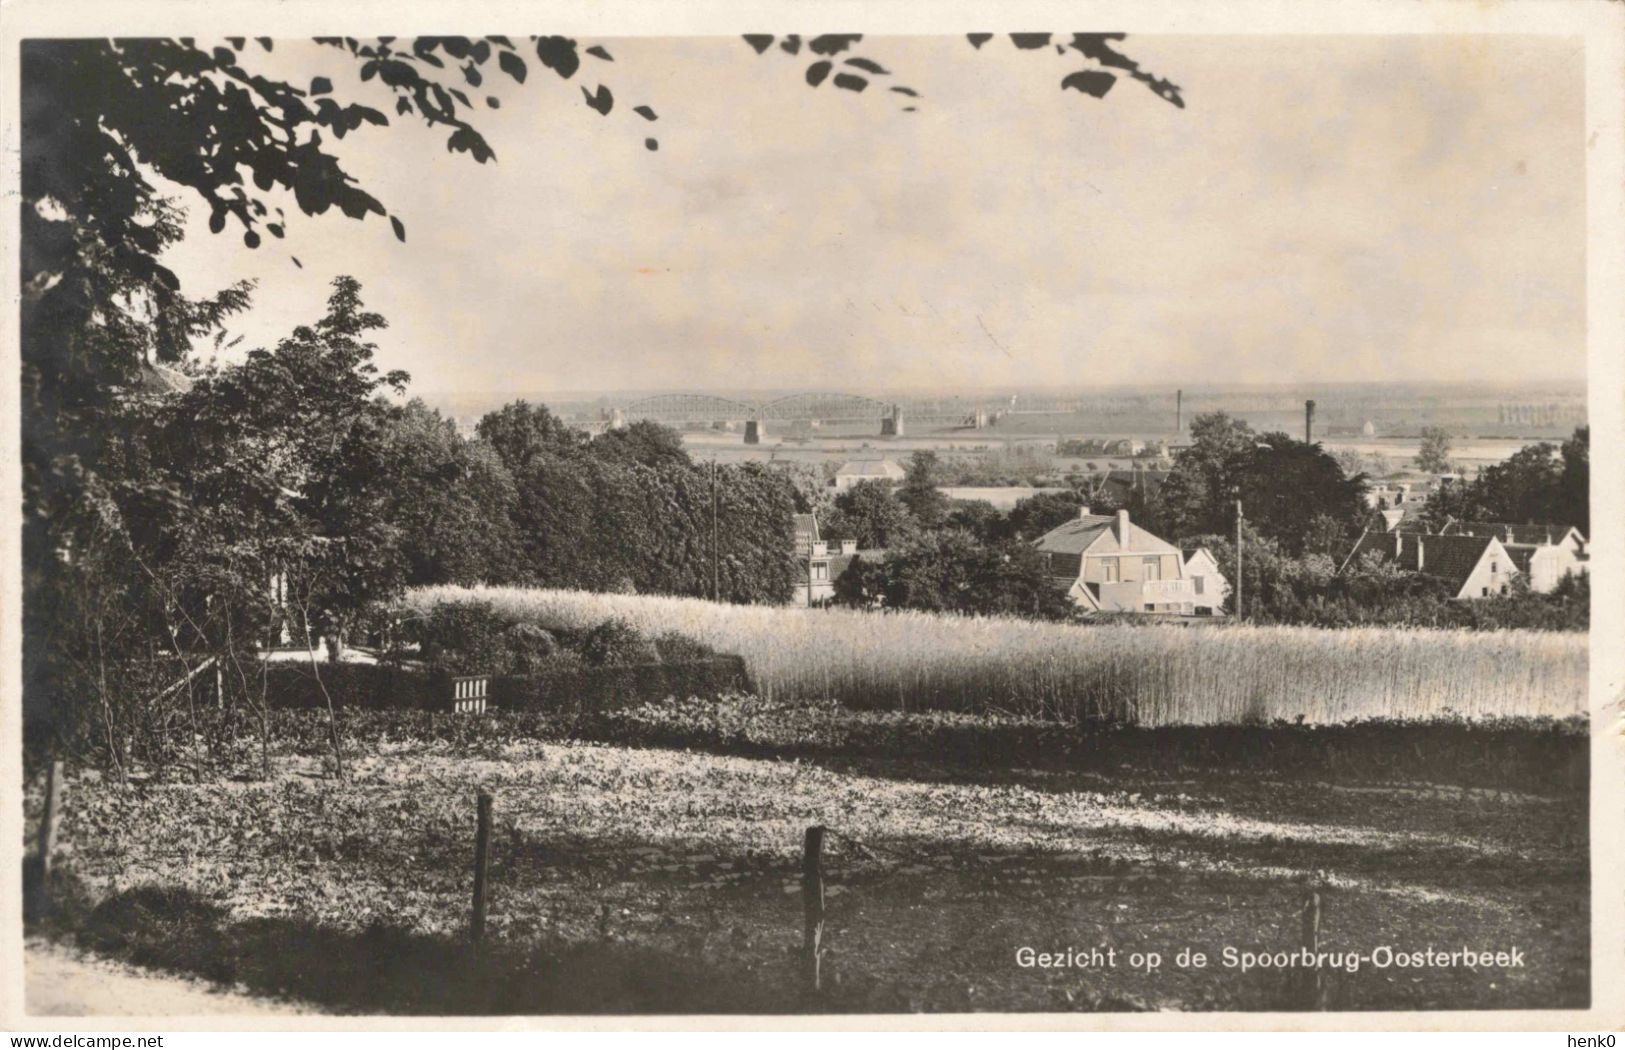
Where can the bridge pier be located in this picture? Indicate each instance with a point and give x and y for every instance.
(753, 432)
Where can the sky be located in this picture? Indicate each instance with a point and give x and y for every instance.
(1325, 209)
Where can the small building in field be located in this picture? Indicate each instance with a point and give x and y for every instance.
(856, 470)
(1544, 553)
(1106, 563)
(1469, 566)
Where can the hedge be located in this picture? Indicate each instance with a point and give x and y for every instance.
(615, 686)
(582, 688)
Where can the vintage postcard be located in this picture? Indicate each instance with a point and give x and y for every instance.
(813, 515)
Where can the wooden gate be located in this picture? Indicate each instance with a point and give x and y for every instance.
(468, 694)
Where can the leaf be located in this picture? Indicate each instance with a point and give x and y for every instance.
(910, 92)
(791, 44)
(817, 72)
(403, 105)
(597, 51)
(217, 221)
(399, 227)
(645, 112)
(251, 238)
(275, 228)
(320, 86)
(263, 41)
(603, 101)
(1029, 41)
(559, 54)
(296, 261)
(758, 41)
(978, 39)
(1090, 81)
(512, 65)
(493, 102)
(832, 43)
(867, 66)
(651, 144)
(850, 82)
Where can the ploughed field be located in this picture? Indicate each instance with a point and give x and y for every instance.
(659, 877)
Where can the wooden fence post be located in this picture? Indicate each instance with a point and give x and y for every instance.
(1314, 984)
(812, 900)
(47, 825)
(482, 857)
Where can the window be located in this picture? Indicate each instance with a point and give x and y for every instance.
(1495, 567)
(820, 571)
(1111, 570)
(1199, 580)
(1153, 569)
(1485, 593)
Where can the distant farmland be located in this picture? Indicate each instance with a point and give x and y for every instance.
(1147, 675)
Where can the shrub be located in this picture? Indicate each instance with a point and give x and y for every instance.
(616, 642)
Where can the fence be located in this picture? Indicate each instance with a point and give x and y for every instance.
(825, 882)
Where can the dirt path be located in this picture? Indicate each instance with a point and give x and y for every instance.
(63, 982)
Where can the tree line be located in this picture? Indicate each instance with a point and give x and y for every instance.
(289, 497)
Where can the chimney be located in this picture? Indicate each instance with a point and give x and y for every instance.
(1179, 411)
(1122, 526)
(1308, 422)
(1419, 559)
(1399, 543)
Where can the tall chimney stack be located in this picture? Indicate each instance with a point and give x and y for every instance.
(1179, 411)
(1308, 422)
(1122, 526)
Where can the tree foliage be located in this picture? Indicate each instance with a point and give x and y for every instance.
(950, 570)
(869, 513)
(1540, 484)
(1293, 492)
(1433, 456)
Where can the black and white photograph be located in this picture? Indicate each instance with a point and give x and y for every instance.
(720, 517)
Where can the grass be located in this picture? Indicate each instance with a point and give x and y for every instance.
(1141, 674)
(648, 879)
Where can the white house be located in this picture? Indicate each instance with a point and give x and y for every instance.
(1544, 553)
(1106, 563)
(1470, 566)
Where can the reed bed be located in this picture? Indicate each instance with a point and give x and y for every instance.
(1146, 675)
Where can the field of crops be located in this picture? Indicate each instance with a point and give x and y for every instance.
(1148, 675)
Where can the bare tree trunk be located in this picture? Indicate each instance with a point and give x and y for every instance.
(332, 718)
(107, 706)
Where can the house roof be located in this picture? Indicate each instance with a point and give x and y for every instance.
(1085, 531)
(871, 468)
(1075, 536)
(1449, 558)
(807, 523)
(1201, 552)
(1507, 533)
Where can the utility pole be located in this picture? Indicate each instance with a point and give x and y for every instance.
(1238, 559)
(716, 586)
